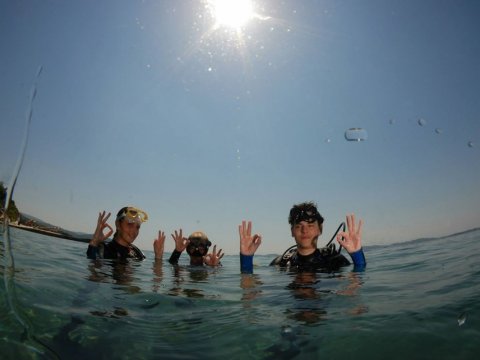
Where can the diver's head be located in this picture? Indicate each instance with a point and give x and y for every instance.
(128, 223)
(198, 244)
(306, 225)
(306, 211)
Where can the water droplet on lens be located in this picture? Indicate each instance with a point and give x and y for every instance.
(422, 122)
(328, 141)
(471, 144)
(438, 130)
(356, 134)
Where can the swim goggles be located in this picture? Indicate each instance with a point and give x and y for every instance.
(133, 215)
(198, 246)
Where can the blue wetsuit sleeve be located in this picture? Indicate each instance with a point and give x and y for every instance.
(246, 264)
(93, 252)
(174, 257)
(358, 258)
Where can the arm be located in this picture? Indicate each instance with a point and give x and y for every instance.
(351, 240)
(213, 259)
(180, 245)
(248, 245)
(99, 236)
(158, 245)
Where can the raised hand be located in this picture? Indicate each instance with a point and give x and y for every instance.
(213, 259)
(351, 240)
(180, 242)
(248, 243)
(159, 244)
(99, 236)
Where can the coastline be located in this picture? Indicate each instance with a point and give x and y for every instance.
(56, 234)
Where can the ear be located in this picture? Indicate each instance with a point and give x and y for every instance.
(291, 231)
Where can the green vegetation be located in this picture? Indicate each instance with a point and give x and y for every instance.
(12, 212)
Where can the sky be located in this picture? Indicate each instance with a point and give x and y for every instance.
(160, 105)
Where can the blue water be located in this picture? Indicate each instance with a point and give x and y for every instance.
(58, 304)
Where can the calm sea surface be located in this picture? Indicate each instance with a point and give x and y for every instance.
(417, 300)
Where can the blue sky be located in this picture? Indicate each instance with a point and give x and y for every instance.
(145, 103)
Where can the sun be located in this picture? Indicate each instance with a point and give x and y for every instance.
(233, 14)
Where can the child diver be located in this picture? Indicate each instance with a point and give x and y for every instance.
(306, 226)
(127, 224)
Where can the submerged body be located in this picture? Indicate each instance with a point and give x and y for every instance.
(319, 260)
(113, 250)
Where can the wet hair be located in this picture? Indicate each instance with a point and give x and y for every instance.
(120, 212)
(306, 211)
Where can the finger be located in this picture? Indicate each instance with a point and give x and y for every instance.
(360, 226)
(220, 255)
(106, 217)
(257, 240)
(341, 237)
(351, 222)
(214, 250)
(249, 228)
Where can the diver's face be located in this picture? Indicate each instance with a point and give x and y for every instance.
(127, 231)
(306, 234)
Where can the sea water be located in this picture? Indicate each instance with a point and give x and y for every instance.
(417, 299)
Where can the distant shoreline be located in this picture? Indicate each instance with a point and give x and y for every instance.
(49, 233)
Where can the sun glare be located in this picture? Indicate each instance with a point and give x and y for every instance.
(231, 13)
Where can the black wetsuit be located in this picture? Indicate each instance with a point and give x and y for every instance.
(174, 257)
(314, 261)
(113, 250)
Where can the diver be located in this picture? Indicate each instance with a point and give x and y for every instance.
(197, 246)
(127, 223)
(306, 225)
